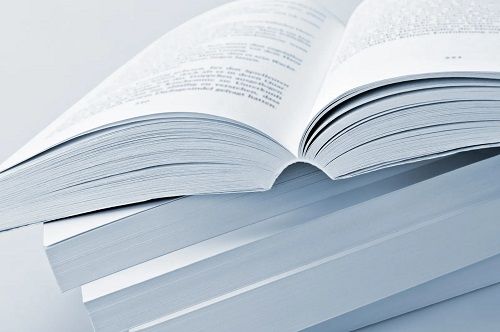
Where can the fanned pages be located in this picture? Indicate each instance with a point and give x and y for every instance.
(228, 100)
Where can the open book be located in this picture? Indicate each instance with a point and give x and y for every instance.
(228, 100)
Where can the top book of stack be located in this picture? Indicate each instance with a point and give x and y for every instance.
(226, 101)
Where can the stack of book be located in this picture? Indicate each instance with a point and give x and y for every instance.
(308, 253)
(267, 167)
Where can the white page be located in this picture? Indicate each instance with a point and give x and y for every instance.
(386, 39)
(257, 62)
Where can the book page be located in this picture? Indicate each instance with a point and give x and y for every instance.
(257, 62)
(386, 39)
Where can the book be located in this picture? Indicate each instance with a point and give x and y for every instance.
(339, 272)
(85, 248)
(391, 303)
(228, 100)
